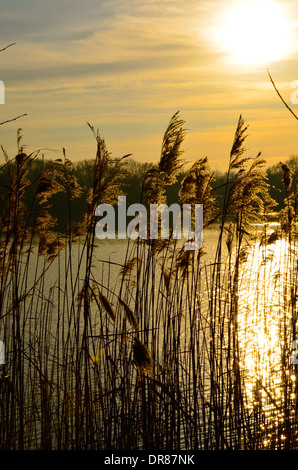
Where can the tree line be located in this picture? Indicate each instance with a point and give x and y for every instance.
(131, 185)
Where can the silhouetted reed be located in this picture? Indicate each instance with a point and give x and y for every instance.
(148, 352)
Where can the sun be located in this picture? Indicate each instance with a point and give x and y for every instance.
(254, 32)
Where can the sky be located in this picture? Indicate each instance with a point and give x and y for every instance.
(127, 66)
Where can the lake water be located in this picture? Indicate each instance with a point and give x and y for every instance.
(188, 329)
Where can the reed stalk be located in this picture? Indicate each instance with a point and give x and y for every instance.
(148, 351)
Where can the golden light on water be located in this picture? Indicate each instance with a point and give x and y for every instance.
(254, 32)
(264, 312)
(260, 308)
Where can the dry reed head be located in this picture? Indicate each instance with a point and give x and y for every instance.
(108, 177)
(43, 243)
(170, 163)
(106, 305)
(129, 315)
(54, 247)
(50, 183)
(248, 195)
(167, 275)
(12, 206)
(196, 188)
(287, 174)
(44, 220)
(236, 160)
(273, 237)
(156, 178)
(153, 187)
(71, 180)
(108, 174)
(184, 262)
(286, 216)
(142, 357)
(128, 267)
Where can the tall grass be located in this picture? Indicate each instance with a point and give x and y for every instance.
(148, 351)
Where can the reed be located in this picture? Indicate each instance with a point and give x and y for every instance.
(159, 350)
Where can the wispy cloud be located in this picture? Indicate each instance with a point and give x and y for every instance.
(126, 66)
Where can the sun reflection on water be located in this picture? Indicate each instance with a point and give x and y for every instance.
(265, 333)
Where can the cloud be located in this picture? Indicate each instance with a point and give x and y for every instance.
(126, 66)
(31, 20)
(74, 40)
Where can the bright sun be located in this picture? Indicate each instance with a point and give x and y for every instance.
(255, 32)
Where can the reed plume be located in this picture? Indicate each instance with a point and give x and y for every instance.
(108, 176)
(142, 357)
(170, 162)
(197, 188)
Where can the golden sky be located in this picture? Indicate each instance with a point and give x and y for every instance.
(126, 66)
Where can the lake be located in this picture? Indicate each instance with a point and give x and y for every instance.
(197, 356)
